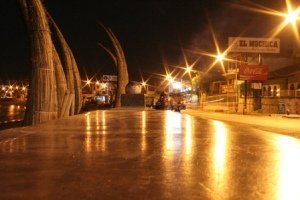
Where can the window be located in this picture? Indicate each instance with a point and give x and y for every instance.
(264, 91)
(269, 91)
(274, 90)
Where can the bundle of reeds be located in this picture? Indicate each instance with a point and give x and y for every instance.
(73, 98)
(77, 87)
(120, 62)
(55, 87)
(61, 83)
(42, 101)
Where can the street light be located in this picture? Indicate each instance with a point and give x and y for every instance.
(144, 87)
(170, 80)
(168, 77)
(188, 69)
(220, 57)
(292, 16)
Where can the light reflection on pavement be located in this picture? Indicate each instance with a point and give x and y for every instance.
(141, 154)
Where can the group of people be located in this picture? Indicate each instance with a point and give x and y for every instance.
(170, 102)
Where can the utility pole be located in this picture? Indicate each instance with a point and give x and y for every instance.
(245, 88)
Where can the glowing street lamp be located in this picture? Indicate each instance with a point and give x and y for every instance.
(188, 69)
(168, 77)
(170, 80)
(292, 16)
(144, 87)
(220, 57)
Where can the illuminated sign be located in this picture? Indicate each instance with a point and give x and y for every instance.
(253, 72)
(254, 45)
(109, 78)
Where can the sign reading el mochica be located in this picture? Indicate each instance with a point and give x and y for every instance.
(254, 45)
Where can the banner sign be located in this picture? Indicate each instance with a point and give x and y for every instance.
(109, 78)
(254, 45)
(253, 72)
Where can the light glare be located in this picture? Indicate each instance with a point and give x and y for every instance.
(220, 57)
(292, 16)
(177, 85)
(188, 69)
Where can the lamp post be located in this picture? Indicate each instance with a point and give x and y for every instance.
(170, 80)
(188, 70)
(292, 17)
(220, 57)
(145, 86)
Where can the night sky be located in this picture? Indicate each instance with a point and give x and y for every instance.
(151, 32)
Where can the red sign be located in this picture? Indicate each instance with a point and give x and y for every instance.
(253, 72)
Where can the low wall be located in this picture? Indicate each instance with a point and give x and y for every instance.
(281, 105)
(136, 100)
(269, 105)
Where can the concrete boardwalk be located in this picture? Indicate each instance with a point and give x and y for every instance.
(282, 124)
(146, 154)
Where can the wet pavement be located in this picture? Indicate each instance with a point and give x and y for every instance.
(282, 124)
(147, 154)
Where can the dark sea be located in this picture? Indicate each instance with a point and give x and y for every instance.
(11, 114)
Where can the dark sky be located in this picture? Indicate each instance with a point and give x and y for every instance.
(150, 31)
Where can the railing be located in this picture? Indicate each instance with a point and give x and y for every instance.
(220, 102)
(283, 102)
